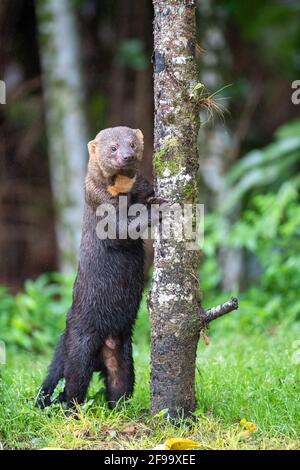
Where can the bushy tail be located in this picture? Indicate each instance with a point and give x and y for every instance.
(55, 373)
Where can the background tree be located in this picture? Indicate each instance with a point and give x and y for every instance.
(65, 119)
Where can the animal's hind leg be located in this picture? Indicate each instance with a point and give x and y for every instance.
(117, 369)
(79, 367)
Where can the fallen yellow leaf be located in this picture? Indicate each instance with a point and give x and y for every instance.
(178, 443)
(251, 427)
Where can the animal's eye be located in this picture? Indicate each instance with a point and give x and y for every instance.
(132, 145)
(113, 148)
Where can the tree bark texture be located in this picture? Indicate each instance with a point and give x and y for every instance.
(65, 120)
(174, 301)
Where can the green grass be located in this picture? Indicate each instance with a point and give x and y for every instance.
(239, 375)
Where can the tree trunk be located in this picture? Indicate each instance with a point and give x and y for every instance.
(174, 301)
(59, 47)
(177, 317)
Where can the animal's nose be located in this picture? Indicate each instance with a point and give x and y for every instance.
(127, 157)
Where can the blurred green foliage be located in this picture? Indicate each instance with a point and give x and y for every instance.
(274, 27)
(132, 54)
(268, 230)
(97, 106)
(33, 319)
(269, 167)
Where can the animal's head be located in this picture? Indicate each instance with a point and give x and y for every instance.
(116, 149)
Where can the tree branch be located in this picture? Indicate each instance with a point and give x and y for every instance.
(215, 312)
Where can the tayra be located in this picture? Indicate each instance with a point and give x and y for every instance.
(110, 279)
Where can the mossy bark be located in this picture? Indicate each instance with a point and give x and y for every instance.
(65, 120)
(174, 301)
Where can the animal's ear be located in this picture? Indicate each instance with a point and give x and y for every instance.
(92, 148)
(140, 136)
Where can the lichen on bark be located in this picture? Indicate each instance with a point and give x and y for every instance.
(162, 163)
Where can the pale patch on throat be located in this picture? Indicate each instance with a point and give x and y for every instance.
(122, 184)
